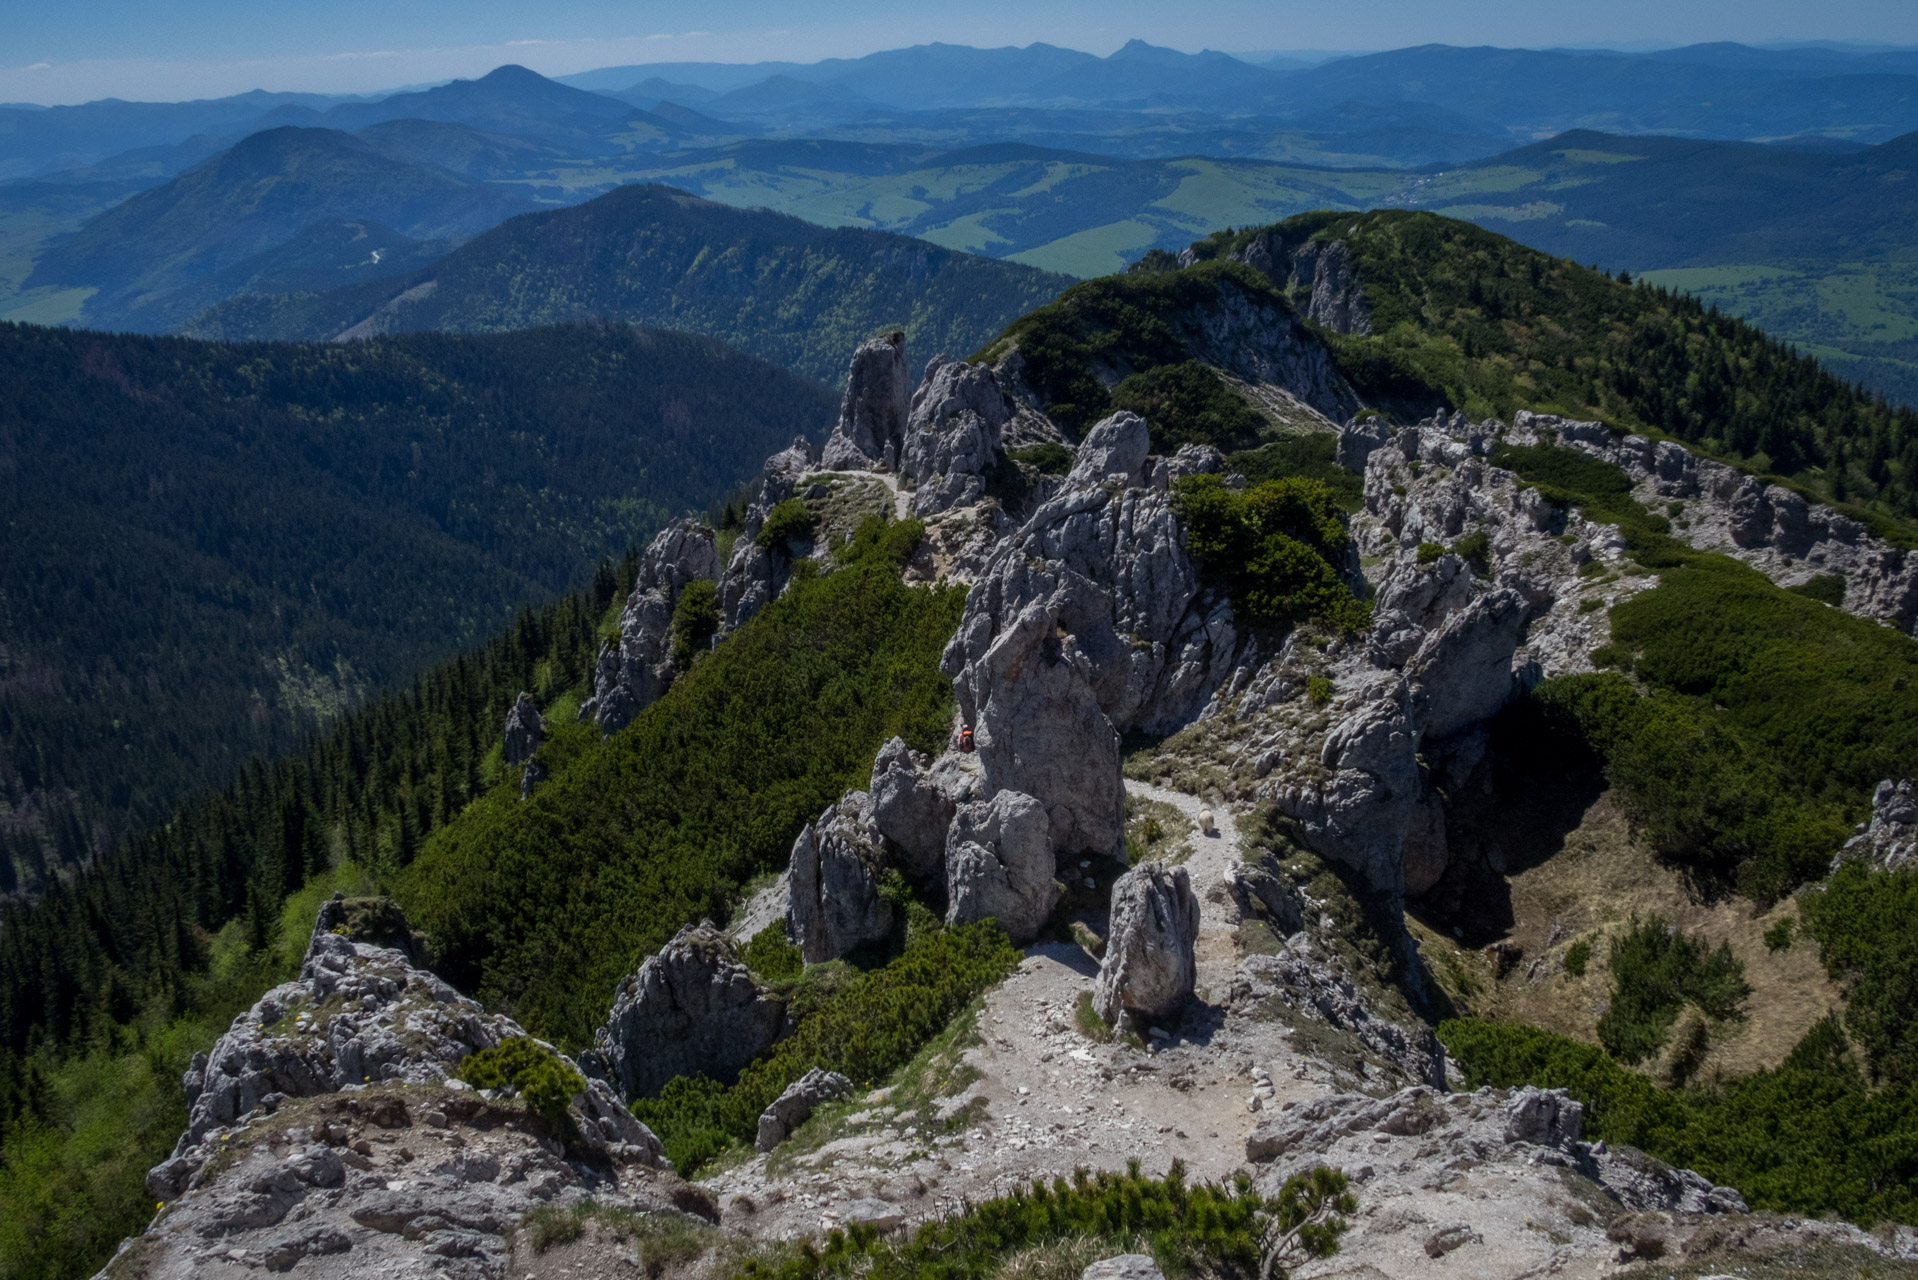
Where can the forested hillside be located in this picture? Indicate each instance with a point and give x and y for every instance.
(210, 551)
(788, 291)
(1465, 317)
(249, 199)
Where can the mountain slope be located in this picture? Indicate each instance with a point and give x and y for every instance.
(256, 195)
(326, 255)
(1454, 313)
(329, 520)
(784, 290)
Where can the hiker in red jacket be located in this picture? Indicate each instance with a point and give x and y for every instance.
(965, 737)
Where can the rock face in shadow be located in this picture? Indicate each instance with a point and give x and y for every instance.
(999, 863)
(691, 1008)
(834, 905)
(756, 575)
(872, 418)
(1149, 966)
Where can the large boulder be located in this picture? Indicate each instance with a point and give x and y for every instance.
(911, 810)
(872, 417)
(833, 899)
(1149, 966)
(1889, 839)
(692, 1008)
(793, 1107)
(1360, 805)
(1000, 863)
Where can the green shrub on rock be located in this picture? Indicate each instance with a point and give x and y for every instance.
(788, 522)
(1189, 403)
(1273, 545)
(528, 1068)
(771, 956)
(695, 620)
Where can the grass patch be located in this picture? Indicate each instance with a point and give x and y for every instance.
(1048, 458)
(1087, 1019)
(1154, 829)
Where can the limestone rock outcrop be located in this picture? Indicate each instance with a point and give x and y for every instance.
(691, 1008)
(633, 671)
(953, 438)
(1888, 840)
(1527, 1127)
(872, 417)
(1781, 533)
(1030, 696)
(756, 575)
(524, 730)
(911, 809)
(1148, 970)
(391, 1179)
(796, 1105)
(1000, 863)
(1115, 446)
(834, 903)
(362, 1012)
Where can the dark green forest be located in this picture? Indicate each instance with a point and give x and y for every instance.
(799, 295)
(210, 550)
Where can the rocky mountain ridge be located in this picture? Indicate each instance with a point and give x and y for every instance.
(1088, 618)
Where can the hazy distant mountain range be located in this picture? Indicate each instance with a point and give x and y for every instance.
(1777, 168)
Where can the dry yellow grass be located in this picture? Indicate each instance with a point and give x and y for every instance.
(1587, 888)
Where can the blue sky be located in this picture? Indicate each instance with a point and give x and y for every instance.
(75, 50)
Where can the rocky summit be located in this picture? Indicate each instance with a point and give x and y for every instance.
(1188, 809)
